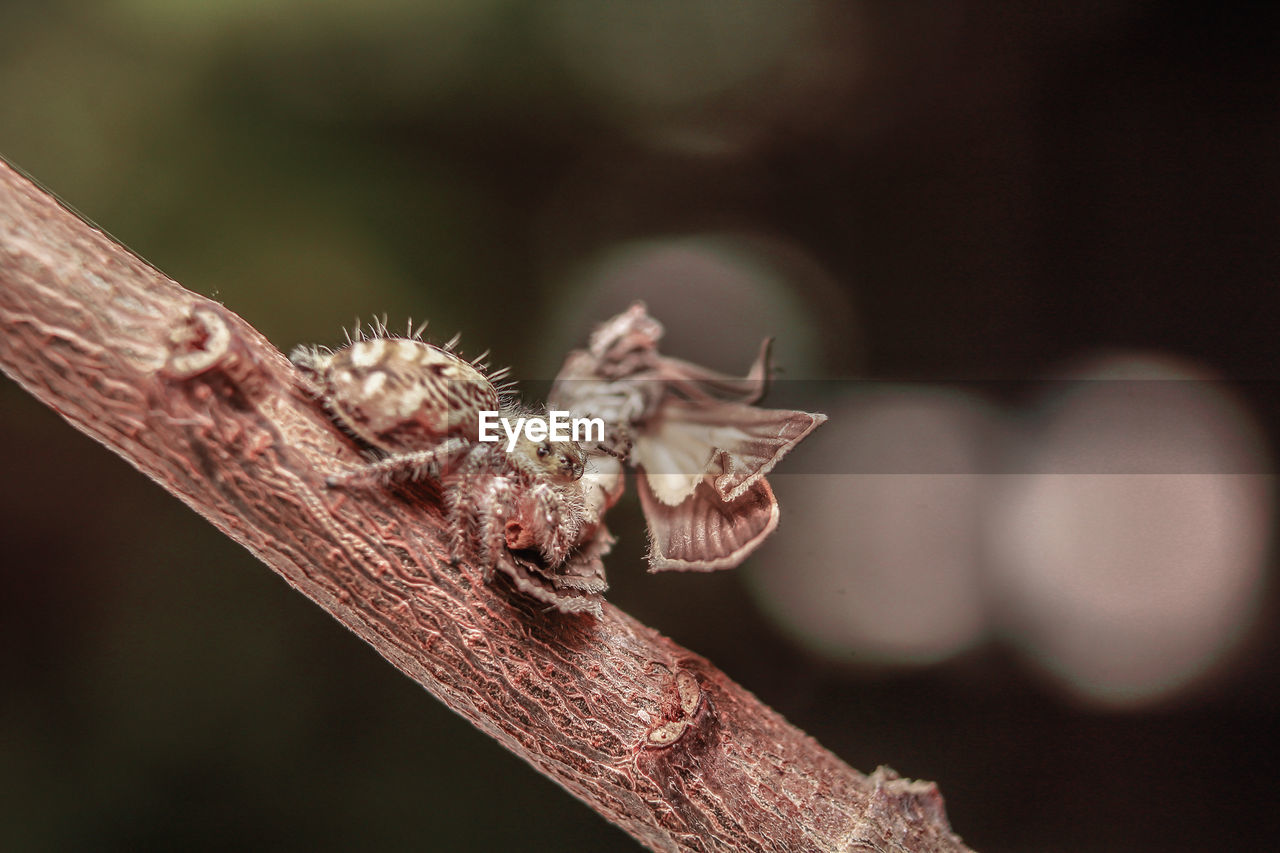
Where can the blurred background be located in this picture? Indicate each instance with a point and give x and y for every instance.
(1025, 256)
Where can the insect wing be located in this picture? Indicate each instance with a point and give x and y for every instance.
(705, 533)
(733, 444)
(703, 384)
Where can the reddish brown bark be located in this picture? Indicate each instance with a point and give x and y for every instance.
(650, 735)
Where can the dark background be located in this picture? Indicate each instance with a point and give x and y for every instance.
(973, 190)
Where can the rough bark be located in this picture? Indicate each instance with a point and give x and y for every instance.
(651, 736)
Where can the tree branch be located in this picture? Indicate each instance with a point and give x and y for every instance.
(651, 736)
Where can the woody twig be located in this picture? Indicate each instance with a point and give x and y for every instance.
(653, 737)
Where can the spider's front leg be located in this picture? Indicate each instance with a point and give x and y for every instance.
(477, 497)
(493, 512)
(548, 521)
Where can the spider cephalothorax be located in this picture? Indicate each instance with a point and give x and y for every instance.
(522, 511)
(516, 506)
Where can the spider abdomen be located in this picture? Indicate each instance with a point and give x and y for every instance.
(400, 394)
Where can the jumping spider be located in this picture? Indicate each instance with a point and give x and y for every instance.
(417, 407)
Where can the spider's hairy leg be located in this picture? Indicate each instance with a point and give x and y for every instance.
(462, 524)
(491, 539)
(416, 464)
(555, 524)
(464, 499)
(311, 362)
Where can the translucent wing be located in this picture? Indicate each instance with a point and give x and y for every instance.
(732, 444)
(701, 383)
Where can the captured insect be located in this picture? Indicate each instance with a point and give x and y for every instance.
(700, 445)
(517, 506)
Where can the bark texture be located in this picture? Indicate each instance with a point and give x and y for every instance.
(653, 737)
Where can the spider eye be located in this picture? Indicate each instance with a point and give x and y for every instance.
(543, 450)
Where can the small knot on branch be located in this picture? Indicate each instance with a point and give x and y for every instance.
(198, 345)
